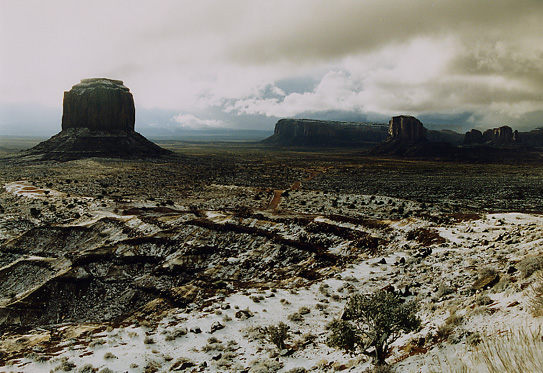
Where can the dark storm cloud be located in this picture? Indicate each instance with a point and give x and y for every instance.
(329, 30)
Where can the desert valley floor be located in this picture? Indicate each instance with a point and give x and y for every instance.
(178, 264)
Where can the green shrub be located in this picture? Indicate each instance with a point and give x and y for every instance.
(371, 322)
(277, 334)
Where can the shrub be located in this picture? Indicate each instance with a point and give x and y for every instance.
(516, 351)
(87, 368)
(295, 317)
(380, 369)
(109, 355)
(343, 334)
(483, 300)
(277, 334)
(473, 339)
(372, 322)
(148, 340)
(536, 297)
(530, 264)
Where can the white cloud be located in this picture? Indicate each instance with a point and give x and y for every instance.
(385, 56)
(193, 122)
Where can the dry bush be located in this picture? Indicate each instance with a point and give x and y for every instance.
(520, 351)
(425, 236)
(536, 296)
(516, 351)
(530, 265)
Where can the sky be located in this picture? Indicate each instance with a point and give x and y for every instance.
(202, 64)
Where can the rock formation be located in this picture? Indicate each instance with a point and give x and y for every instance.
(406, 129)
(532, 138)
(308, 132)
(473, 137)
(406, 137)
(99, 104)
(501, 136)
(97, 121)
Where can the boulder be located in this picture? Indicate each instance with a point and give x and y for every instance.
(486, 281)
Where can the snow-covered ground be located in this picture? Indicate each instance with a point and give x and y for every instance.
(228, 334)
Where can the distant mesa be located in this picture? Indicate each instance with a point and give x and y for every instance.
(501, 136)
(97, 121)
(406, 129)
(325, 133)
(408, 137)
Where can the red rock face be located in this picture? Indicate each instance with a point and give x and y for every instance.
(406, 129)
(99, 104)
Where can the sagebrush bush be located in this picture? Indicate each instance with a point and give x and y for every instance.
(277, 334)
(370, 322)
(530, 265)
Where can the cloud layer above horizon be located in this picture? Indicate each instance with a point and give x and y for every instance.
(221, 63)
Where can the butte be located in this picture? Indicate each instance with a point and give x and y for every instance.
(97, 121)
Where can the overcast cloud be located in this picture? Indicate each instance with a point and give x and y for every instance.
(244, 64)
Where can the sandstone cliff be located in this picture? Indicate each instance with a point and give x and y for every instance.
(99, 104)
(320, 133)
(406, 129)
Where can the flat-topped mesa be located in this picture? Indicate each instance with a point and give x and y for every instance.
(97, 121)
(99, 104)
(325, 133)
(406, 129)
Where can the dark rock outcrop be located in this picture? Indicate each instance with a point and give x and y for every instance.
(473, 137)
(407, 138)
(447, 136)
(406, 130)
(501, 136)
(99, 104)
(97, 121)
(320, 133)
(532, 138)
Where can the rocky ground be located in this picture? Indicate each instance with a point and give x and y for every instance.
(179, 264)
